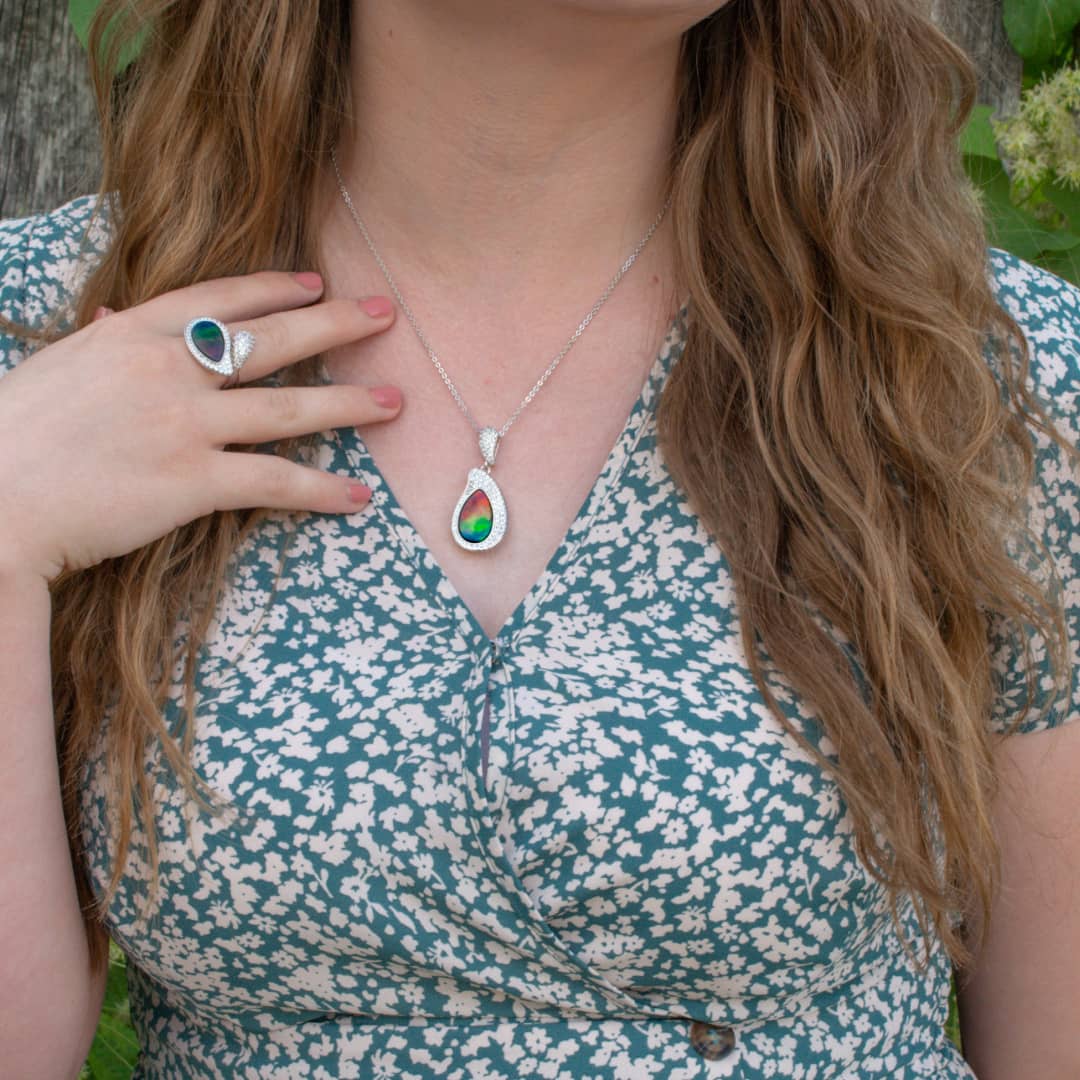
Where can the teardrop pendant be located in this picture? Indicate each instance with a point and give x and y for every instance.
(479, 518)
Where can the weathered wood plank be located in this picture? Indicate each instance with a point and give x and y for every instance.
(48, 129)
(977, 27)
(48, 126)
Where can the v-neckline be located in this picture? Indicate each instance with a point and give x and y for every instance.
(413, 546)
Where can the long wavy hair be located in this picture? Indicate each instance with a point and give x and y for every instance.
(833, 419)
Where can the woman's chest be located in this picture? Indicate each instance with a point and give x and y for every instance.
(643, 822)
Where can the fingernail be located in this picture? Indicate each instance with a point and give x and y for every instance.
(358, 492)
(377, 306)
(309, 279)
(389, 397)
(101, 313)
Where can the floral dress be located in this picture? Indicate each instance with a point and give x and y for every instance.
(645, 876)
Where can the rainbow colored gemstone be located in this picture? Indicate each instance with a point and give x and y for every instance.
(474, 521)
(209, 340)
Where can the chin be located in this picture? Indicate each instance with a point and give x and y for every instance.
(695, 9)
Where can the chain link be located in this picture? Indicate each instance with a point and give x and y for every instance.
(431, 352)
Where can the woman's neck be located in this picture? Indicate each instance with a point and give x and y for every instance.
(522, 146)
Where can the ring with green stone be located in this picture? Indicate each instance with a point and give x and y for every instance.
(209, 341)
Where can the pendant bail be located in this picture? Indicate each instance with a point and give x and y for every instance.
(489, 445)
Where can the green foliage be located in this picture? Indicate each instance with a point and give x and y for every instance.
(952, 1024)
(80, 14)
(1041, 30)
(1026, 167)
(1042, 141)
(1012, 223)
(115, 1047)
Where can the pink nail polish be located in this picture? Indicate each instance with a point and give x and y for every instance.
(377, 306)
(309, 279)
(358, 492)
(389, 397)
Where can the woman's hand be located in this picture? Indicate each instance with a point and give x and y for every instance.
(114, 435)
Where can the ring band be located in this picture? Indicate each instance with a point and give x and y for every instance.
(209, 341)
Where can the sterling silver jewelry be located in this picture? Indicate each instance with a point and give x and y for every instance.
(208, 340)
(478, 521)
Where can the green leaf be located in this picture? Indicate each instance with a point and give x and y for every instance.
(1039, 29)
(114, 1052)
(115, 1048)
(1066, 199)
(1066, 264)
(952, 1024)
(978, 136)
(80, 14)
(1011, 227)
(115, 988)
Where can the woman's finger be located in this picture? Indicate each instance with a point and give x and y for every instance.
(238, 481)
(262, 414)
(246, 296)
(287, 336)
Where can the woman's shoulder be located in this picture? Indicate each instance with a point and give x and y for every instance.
(44, 256)
(1047, 308)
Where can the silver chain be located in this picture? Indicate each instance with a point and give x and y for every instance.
(431, 352)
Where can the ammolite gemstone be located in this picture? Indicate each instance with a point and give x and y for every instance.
(209, 340)
(474, 521)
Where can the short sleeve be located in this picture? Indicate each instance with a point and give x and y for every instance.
(44, 259)
(1048, 310)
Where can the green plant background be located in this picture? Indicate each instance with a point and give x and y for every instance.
(1026, 171)
(1026, 168)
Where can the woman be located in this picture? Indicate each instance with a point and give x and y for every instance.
(678, 753)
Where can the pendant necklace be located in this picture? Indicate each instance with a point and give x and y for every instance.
(478, 521)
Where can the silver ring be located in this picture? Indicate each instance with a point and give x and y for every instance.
(209, 341)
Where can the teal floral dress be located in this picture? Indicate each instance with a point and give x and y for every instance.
(582, 849)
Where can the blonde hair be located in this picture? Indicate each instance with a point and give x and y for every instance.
(833, 419)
